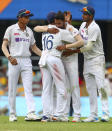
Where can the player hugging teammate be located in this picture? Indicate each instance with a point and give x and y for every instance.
(58, 64)
(91, 35)
(53, 68)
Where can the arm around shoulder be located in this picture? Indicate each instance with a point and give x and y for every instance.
(79, 42)
(41, 28)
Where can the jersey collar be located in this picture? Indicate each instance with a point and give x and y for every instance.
(18, 28)
(92, 23)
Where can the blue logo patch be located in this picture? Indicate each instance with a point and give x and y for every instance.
(21, 39)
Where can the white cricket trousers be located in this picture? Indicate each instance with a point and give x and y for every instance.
(94, 77)
(54, 71)
(24, 68)
(73, 90)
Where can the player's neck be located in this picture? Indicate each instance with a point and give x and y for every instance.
(88, 23)
(22, 26)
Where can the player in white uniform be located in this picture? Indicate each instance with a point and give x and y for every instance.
(62, 25)
(71, 68)
(52, 68)
(94, 62)
(72, 71)
(19, 38)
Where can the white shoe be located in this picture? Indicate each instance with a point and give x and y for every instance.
(62, 119)
(12, 118)
(76, 119)
(91, 119)
(105, 118)
(32, 117)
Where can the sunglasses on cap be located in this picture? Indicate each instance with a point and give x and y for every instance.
(26, 12)
(23, 13)
(86, 11)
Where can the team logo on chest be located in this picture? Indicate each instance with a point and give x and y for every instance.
(21, 39)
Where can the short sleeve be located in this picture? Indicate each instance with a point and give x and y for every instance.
(32, 39)
(7, 34)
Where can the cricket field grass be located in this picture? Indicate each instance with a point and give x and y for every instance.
(22, 125)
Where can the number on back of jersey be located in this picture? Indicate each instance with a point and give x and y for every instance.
(48, 42)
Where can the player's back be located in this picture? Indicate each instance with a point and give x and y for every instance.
(51, 41)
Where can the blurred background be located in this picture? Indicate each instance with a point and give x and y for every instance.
(40, 9)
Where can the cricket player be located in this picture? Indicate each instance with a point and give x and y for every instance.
(52, 68)
(72, 69)
(94, 64)
(19, 38)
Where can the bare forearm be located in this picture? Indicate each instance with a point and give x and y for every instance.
(79, 42)
(75, 45)
(4, 48)
(36, 50)
(41, 28)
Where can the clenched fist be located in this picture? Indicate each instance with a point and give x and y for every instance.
(12, 60)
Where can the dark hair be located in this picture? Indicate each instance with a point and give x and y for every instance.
(60, 16)
(51, 17)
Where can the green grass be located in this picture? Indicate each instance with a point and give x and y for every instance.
(22, 125)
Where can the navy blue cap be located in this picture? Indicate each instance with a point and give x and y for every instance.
(51, 17)
(88, 10)
(24, 12)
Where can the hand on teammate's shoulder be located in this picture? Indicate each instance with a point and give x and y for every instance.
(53, 30)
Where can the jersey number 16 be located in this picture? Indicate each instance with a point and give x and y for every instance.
(48, 43)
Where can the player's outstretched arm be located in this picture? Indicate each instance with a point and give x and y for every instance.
(87, 47)
(68, 52)
(46, 29)
(36, 50)
(79, 42)
(41, 28)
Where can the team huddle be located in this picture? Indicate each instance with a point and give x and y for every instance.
(61, 43)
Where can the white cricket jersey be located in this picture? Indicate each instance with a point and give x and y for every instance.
(51, 41)
(19, 41)
(73, 33)
(74, 30)
(92, 33)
